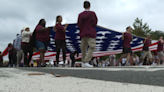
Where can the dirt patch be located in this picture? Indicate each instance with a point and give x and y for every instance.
(36, 74)
(57, 75)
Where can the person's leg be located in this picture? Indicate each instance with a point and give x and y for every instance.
(161, 56)
(30, 54)
(162, 59)
(143, 56)
(125, 52)
(74, 61)
(83, 47)
(1, 63)
(25, 50)
(58, 45)
(128, 57)
(25, 57)
(19, 57)
(92, 44)
(41, 46)
(11, 58)
(111, 62)
(42, 51)
(157, 61)
(9, 63)
(71, 62)
(122, 56)
(149, 55)
(132, 62)
(64, 51)
(157, 58)
(14, 57)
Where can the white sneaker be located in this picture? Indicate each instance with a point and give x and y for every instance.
(86, 65)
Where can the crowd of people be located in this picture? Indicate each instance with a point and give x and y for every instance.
(24, 43)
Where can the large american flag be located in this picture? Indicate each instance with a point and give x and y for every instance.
(107, 42)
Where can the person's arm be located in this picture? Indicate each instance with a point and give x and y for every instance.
(60, 27)
(65, 27)
(144, 41)
(94, 20)
(10, 48)
(79, 22)
(25, 33)
(41, 28)
(162, 42)
(150, 41)
(122, 36)
(54, 29)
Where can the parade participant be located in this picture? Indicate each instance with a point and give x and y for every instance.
(26, 34)
(60, 39)
(17, 46)
(42, 40)
(15, 51)
(146, 51)
(127, 38)
(160, 49)
(87, 21)
(1, 59)
(10, 49)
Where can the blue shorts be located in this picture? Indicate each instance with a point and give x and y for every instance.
(42, 45)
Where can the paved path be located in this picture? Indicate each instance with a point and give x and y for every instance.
(153, 75)
(111, 79)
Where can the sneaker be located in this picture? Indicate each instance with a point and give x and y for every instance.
(86, 65)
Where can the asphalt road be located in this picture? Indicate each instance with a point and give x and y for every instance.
(137, 75)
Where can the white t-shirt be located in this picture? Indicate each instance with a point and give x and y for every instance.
(124, 60)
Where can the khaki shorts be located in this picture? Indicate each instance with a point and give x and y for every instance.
(160, 54)
(146, 54)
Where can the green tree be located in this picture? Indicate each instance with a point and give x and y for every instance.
(156, 34)
(140, 29)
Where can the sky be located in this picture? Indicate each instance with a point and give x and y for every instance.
(112, 14)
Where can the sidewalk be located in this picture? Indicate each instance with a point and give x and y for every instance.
(16, 80)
